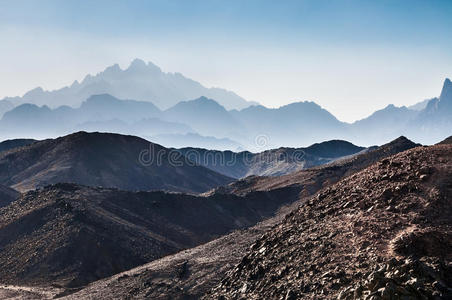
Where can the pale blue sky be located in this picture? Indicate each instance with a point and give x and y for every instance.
(351, 57)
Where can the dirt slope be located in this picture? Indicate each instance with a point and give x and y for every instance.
(7, 195)
(382, 233)
(71, 235)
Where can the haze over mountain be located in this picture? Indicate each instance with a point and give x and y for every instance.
(205, 122)
(108, 160)
(140, 81)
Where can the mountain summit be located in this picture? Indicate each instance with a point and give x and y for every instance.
(140, 81)
(446, 94)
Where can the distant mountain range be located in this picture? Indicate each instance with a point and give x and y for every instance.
(140, 81)
(207, 121)
(274, 162)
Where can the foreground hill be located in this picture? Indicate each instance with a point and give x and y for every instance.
(192, 273)
(70, 235)
(274, 162)
(385, 231)
(102, 159)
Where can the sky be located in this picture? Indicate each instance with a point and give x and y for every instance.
(352, 57)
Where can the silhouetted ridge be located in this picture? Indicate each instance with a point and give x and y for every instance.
(333, 149)
(11, 144)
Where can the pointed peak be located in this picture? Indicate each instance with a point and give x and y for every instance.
(34, 92)
(75, 83)
(137, 63)
(446, 93)
(113, 69)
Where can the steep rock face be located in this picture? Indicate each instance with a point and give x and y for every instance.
(103, 159)
(70, 235)
(384, 231)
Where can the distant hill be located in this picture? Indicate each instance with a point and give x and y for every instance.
(321, 175)
(5, 106)
(179, 140)
(205, 116)
(140, 81)
(102, 159)
(300, 123)
(274, 162)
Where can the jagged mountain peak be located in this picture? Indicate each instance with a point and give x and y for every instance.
(446, 93)
(142, 81)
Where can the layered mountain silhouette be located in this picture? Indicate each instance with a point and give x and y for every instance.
(5, 106)
(140, 81)
(108, 160)
(274, 162)
(206, 119)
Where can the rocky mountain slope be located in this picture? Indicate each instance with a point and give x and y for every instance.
(192, 273)
(274, 162)
(322, 175)
(447, 141)
(7, 195)
(108, 160)
(382, 233)
(69, 235)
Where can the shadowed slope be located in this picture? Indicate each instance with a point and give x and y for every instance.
(71, 235)
(108, 160)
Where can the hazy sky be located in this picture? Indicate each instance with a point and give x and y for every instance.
(351, 57)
